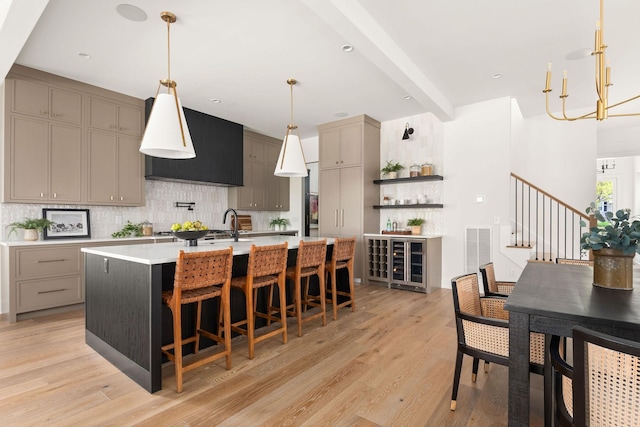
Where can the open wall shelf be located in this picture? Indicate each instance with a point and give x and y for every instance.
(409, 179)
(419, 205)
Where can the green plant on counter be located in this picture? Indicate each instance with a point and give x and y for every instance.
(128, 230)
(278, 221)
(413, 222)
(30, 224)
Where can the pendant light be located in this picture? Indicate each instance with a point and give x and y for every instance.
(291, 162)
(167, 134)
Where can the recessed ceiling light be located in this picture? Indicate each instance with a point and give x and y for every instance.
(347, 48)
(407, 97)
(341, 114)
(84, 55)
(215, 101)
(496, 75)
(579, 54)
(131, 12)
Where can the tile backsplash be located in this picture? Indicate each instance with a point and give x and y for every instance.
(161, 197)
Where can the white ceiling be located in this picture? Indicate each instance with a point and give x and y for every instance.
(441, 53)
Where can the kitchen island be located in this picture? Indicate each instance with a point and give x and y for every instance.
(125, 320)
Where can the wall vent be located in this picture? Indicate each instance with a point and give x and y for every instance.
(477, 248)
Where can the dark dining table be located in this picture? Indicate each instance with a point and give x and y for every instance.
(552, 299)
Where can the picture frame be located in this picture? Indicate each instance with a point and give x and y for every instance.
(69, 224)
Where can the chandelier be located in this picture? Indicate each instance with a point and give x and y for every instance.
(603, 81)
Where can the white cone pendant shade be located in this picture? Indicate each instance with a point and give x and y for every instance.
(291, 161)
(163, 136)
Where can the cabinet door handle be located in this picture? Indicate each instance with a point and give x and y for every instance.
(51, 291)
(341, 217)
(121, 198)
(55, 195)
(111, 198)
(41, 261)
(41, 194)
(335, 218)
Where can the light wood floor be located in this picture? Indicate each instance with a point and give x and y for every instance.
(388, 364)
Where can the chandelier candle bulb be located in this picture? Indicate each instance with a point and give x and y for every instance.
(564, 84)
(547, 86)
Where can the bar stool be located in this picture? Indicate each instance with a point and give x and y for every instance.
(199, 276)
(267, 267)
(310, 262)
(344, 250)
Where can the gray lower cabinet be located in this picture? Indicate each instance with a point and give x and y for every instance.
(404, 262)
(45, 276)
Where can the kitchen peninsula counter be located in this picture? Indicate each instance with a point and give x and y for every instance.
(125, 320)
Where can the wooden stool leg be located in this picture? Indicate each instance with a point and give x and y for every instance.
(306, 293)
(250, 321)
(197, 332)
(334, 295)
(177, 345)
(323, 298)
(298, 303)
(269, 304)
(283, 303)
(351, 289)
(226, 329)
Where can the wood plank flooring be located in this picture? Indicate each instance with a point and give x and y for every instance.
(388, 364)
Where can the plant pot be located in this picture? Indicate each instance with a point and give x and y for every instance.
(416, 229)
(392, 175)
(31, 235)
(612, 269)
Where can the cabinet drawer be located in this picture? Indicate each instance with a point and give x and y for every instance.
(46, 293)
(47, 262)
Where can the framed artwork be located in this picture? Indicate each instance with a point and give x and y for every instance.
(313, 208)
(68, 224)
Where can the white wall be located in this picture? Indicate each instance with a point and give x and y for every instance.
(425, 145)
(476, 163)
(559, 157)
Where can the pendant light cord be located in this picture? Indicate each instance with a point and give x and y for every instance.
(169, 52)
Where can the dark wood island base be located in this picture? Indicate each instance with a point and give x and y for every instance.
(126, 322)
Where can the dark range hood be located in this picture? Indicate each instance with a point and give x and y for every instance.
(218, 145)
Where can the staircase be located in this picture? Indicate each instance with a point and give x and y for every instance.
(546, 226)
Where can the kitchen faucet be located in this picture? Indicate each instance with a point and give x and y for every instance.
(236, 223)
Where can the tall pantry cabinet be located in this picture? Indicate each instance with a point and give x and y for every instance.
(349, 161)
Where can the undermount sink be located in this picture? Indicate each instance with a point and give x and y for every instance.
(211, 242)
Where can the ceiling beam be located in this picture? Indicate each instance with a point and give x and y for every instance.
(349, 19)
(17, 20)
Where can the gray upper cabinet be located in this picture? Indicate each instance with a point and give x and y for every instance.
(218, 146)
(262, 190)
(109, 115)
(66, 142)
(46, 102)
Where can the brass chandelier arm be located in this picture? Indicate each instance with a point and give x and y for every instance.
(564, 115)
(602, 82)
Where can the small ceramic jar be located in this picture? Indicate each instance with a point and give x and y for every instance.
(414, 170)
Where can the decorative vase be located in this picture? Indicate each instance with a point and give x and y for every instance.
(30, 234)
(416, 229)
(613, 269)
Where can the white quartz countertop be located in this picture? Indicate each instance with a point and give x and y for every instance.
(404, 236)
(162, 253)
(80, 241)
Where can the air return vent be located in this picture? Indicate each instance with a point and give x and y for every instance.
(477, 248)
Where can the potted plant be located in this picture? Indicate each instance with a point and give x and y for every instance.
(416, 225)
(614, 241)
(391, 169)
(32, 227)
(279, 223)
